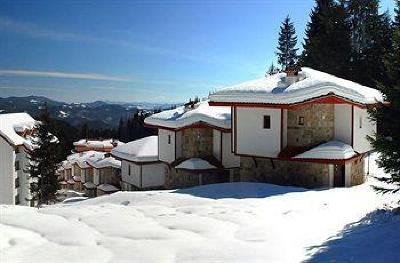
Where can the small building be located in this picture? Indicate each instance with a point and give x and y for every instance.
(304, 128)
(140, 166)
(191, 133)
(106, 171)
(17, 131)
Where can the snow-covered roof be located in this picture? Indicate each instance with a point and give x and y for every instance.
(77, 178)
(333, 150)
(107, 188)
(195, 164)
(182, 117)
(70, 181)
(278, 89)
(89, 185)
(13, 123)
(103, 163)
(142, 150)
(97, 144)
(82, 157)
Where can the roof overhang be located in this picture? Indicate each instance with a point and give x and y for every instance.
(196, 125)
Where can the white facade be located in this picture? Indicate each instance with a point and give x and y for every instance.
(343, 130)
(362, 127)
(229, 159)
(143, 175)
(252, 138)
(166, 147)
(7, 173)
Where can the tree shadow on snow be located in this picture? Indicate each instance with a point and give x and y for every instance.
(240, 190)
(375, 238)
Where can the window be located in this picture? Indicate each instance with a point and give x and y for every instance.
(17, 166)
(16, 182)
(169, 139)
(129, 169)
(267, 122)
(300, 121)
(17, 199)
(360, 121)
(16, 150)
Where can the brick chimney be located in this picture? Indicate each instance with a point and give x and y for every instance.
(292, 74)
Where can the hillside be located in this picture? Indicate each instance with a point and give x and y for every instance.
(238, 222)
(98, 114)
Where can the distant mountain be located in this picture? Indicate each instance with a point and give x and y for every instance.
(98, 114)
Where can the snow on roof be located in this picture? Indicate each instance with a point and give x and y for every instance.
(77, 178)
(103, 163)
(89, 185)
(142, 150)
(107, 188)
(278, 89)
(13, 123)
(195, 164)
(202, 112)
(333, 150)
(109, 143)
(70, 181)
(82, 157)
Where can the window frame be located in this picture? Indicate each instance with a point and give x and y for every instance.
(266, 122)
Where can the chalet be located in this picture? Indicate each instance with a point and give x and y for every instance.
(304, 128)
(106, 176)
(194, 142)
(140, 165)
(16, 136)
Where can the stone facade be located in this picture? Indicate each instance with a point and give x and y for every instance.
(357, 172)
(197, 142)
(318, 125)
(309, 175)
(181, 179)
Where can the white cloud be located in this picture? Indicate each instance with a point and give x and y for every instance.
(65, 75)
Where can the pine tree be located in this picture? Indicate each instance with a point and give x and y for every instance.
(43, 162)
(387, 143)
(287, 51)
(272, 70)
(396, 22)
(370, 40)
(85, 131)
(327, 44)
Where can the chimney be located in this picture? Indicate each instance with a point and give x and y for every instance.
(292, 75)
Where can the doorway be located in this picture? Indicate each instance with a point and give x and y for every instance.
(339, 176)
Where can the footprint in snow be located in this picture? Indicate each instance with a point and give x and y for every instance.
(12, 242)
(125, 203)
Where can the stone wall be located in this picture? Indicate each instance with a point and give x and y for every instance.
(180, 179)
(309, 175)
(319, 121)
(357, 172)
(197, 142)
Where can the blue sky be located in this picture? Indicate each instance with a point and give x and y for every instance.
(153, 51)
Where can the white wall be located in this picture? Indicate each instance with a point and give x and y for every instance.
(368, 127)
(284, 133)
(166, 152)
(252, 138)
(153, 175)
(343, 123)
(229, 159)
(24, 177)
(7, 174)
(217, 144)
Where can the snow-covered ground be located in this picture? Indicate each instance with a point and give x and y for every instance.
(241, 222)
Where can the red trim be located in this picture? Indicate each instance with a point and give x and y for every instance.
(175, 145)
(325, 99)
(232, 117)
(200, 124)
(220, 150)
(352, 126)
(282, 129)
(134, 162)
(235, 127)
